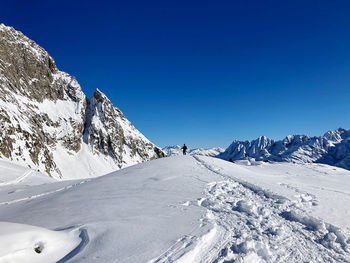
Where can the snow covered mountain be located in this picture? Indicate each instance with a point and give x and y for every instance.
(182, 209)
(332, 148)
(173, 150)
(48, 123)
(207, 152)
(176, 150)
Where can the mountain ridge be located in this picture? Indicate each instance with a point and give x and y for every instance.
(50, 125)
(332, 148)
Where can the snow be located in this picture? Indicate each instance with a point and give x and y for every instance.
(12, 174)
(24, 243)
(132, 208)
(16, 37)
(183, 209)
(203, 244)
(65, 113)
(106, 121)
(51, 133)
(323, 190)
(332, 148)
(82, 164)
(176, 150)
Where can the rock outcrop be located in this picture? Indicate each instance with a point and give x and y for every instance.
(108, 132)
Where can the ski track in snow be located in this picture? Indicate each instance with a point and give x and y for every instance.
(254, 225)
(31, 197)
(18, 179)
(242, 223)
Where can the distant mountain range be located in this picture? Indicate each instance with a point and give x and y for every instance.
(332, 148)
(48, 124)
(176, 150)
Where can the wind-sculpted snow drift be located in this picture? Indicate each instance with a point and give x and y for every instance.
(332, 148)
(24, 243)
(48, 123)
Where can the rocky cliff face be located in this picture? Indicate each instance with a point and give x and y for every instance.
(108, 132)
(48, 124)
(332, 148)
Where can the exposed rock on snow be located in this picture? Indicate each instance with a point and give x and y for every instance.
(332, 148)
(48, 124)
(176, 150)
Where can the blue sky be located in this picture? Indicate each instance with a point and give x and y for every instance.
(203, 72)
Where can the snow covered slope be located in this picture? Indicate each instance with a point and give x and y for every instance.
(12, 174)
(207, 152)
(183, 209)
(332, 148)
(47, 122)
(176, 150)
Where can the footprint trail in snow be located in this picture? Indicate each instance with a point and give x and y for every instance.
(254, 225)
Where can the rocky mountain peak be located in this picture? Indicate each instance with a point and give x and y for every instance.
(341, 130)
(47, 123)
(107, 131)
(100, 96)
(26, 68)
(262, 141)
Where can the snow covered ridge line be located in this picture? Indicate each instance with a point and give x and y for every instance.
(332, 148)
(49, 125)
(176, 150)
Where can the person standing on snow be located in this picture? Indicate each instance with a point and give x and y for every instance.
(184, 149)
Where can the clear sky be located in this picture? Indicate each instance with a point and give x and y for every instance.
(203, 72)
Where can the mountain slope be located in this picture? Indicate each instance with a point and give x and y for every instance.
(48, 123)
(184, 209)
(332, 148)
